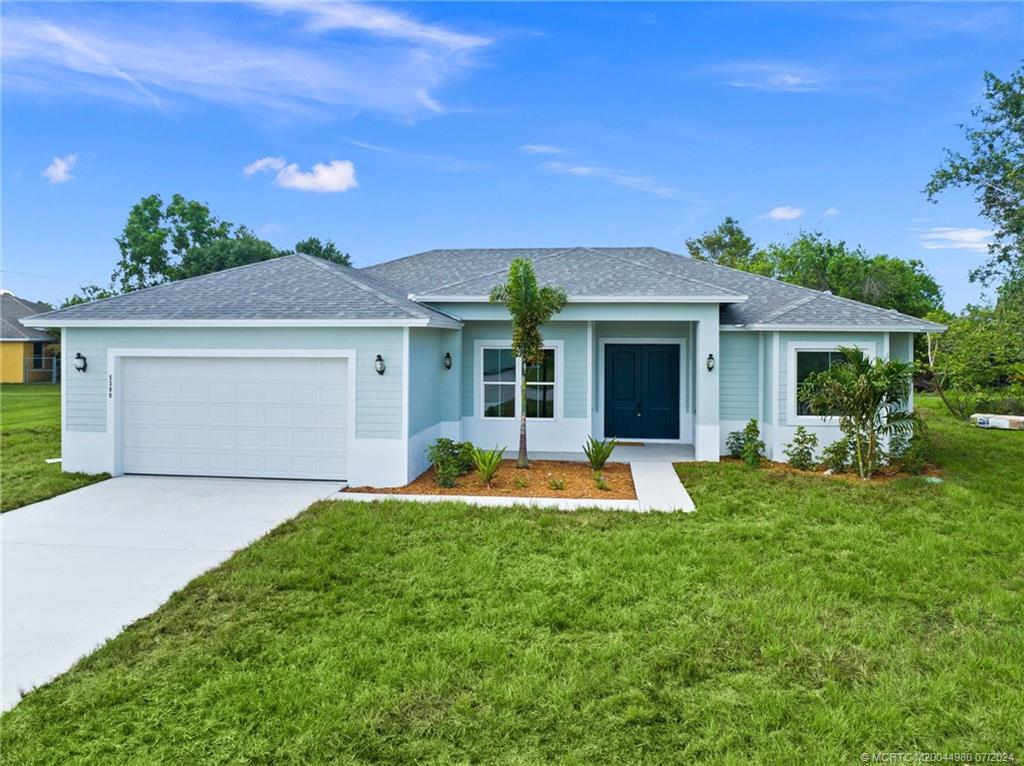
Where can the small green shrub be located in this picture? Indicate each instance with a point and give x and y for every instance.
(747, 444)
(487, 462)
(601, 483)
(836, 456)
(598, 451)
(556, 484)
(910, 454)
(520, 482)
(801, 450)
(450, 459)
(446, 475)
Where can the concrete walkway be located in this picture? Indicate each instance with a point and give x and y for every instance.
(79, 567)
(658, 487)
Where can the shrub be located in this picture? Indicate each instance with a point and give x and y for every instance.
(556, 484)
(450, 460)
(521, 482)
(487, 462)
(445, 475)
(747, 444)
(836, 456)
(910, 454)
(598, 451)
(801, 450)
(601, 483)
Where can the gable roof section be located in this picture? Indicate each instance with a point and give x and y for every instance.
(295, 289)
(585, 273)
(13, 308)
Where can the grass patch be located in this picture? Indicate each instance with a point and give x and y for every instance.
(29, 434)
(790, 619)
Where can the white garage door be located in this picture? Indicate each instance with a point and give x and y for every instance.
(263, 417)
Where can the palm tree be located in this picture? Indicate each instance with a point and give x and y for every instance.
(870, 399)
(530, 307)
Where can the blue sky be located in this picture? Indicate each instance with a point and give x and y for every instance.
(403, 127)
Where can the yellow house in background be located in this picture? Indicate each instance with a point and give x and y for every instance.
(26, 355)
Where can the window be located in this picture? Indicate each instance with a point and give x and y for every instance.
(808, 362)
(499, 383)
(38, 356)
(501, 377)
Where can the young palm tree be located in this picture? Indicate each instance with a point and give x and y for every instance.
(870, 399)
(530, 307)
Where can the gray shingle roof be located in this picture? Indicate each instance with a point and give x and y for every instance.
(13, 308)
(288, 288)
(642, 271)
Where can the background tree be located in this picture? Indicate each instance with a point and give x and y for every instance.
(727, 245)
(994, 168)
(326, 250)
(530, 307)
(240, 249)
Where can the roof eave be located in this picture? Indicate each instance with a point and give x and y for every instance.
(593, 298)
(928, 327)
(449, 323)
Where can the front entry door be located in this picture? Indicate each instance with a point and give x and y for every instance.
(641, 391)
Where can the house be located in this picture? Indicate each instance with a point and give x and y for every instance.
(297, 367)
(26, 354)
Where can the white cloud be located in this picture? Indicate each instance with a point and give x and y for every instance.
(771, 76)
(616, 176)
(377, 60)
(832, 211)
(952, 238)
(539, 149)
(784, 213)
(59, 171)
(334, 176)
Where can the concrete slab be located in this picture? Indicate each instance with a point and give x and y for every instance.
(650, 452)
(77, 568)
(658, 488)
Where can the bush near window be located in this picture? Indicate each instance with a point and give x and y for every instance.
(487, 462)
(747, 444)
(801, 450)
(451, 460)
(836, 456)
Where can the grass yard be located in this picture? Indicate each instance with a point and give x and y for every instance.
(791, 619)
(29, 434)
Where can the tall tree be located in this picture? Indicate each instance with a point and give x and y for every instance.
(727, 245)
(326, 250)
(530, 307)
(994, 168)
(240, 249)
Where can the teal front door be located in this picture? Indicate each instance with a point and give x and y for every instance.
(641, 391)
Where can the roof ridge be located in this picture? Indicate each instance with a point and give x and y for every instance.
(339, 270)
(724, 290)
(499, 271)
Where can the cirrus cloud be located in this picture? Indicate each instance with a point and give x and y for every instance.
(333, 176)
(954, 238)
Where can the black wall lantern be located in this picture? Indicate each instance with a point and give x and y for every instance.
(80, 363)
(447, 360)
(710, 363)
(378, 364)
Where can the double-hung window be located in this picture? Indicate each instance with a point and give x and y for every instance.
(808, 362)
(501, 378)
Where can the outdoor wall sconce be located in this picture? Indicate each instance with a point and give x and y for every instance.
(710, 363)
(80, 363)
(378, 364)
(447, 360)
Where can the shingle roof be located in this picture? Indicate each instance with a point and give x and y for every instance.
(640, 271)
(13, 308)
(293, 287)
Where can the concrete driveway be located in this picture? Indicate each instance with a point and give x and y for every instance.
(79, 567)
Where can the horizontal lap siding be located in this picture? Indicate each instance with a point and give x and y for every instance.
(426, 373)
(378, 397)
(738, 375)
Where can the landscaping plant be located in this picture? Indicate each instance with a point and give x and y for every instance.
(869, 398)
(530, 306)
(556, 484)
(451, 460)
(598, 451)
(801, 450)
(836, 456)
(487, 462)
(747, 444)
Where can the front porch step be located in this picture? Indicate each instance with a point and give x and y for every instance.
(658, 488)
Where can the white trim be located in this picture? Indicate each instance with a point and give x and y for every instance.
(760, 378)
(776, 362)
(590, 368)
(683, 382)
(593, 298)
(792, 347)
(64, 390)
(885, 346)
(558, 346)
(449, 323)
(405, 399)
(114, 355)
(834, 327)
(33, 339)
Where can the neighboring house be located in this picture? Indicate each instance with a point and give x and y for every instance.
(26, 354)
(297, 367)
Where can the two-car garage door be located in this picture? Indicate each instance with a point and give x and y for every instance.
(267, 417)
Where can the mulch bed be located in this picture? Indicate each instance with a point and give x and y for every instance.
(578, 478)
(881, 476)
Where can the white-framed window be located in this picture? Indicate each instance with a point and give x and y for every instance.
(808, 357)
(500, 375)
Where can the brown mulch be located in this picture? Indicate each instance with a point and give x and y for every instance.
(578, 478)
(881, 476)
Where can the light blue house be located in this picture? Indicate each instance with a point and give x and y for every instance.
(300, 368)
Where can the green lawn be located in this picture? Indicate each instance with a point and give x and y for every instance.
(29, 434)
(791, 619)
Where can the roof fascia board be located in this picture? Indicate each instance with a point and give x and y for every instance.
(594, 298)
(452, 323)
(834, 327)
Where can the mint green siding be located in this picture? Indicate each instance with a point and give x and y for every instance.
(738, 375)
(433, 390)
(378, 397)
(901, 346)
(574, 338)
